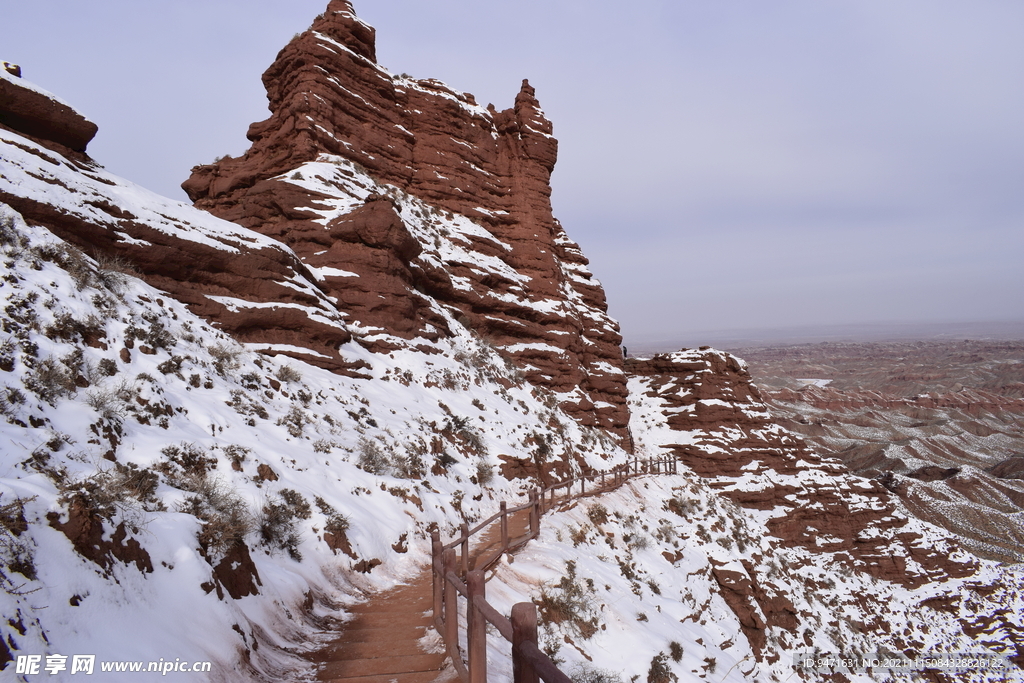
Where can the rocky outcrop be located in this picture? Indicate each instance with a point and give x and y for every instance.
(252, 287)
(85, 529)
(418, 206)
(31, 111)
(722, 430)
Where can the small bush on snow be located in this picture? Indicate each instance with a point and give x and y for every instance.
(287, 373)
(124, 489)
(372, 457)
(50, 380)
(276, 524)
(294, 421)
(186, 460)
(113, 272)
(572, 606)
(297, 503)
(225, 357)
(16, 553)
(484, 472)
(660, 672)
(598, 514)
(588, 673)
(225, 516)
(336, 523)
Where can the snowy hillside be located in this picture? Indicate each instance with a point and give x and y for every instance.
(150, 460)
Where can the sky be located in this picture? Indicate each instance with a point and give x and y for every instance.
(725, 164)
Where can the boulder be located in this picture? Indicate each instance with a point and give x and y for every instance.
(31, 111)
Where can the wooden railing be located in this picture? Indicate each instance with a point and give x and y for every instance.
(453, 578)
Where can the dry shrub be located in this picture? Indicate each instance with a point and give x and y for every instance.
(237, 455)
(70, 259)
(50, 380)
(598, 514)
(484, 472)
(583, 672)
(122, 489)
(572, 606)
(287, 373)
(113, 272)
(461, 429)
(336, 523)
(294, 421)
(660, 672)
(185, 463)
(16, 553)
(276, 525)
(373, 458)
(225, 357)
(225, 516)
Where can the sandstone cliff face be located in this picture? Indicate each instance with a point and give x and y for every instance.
(719, 425)
(421, 209)
(702, 406)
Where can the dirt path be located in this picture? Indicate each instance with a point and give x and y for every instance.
(381, 644)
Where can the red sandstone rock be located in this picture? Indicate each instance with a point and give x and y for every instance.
(710, 394)
(85, 529)
(30, 111)
(327, 96)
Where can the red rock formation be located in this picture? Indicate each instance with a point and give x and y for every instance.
(726, 434)
(431, 149)
(33, 112)
(254, 288)
(85, 529)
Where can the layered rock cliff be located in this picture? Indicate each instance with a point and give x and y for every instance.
(411, 200)
(30, 110)
(702, 406)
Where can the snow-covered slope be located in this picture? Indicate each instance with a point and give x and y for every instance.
(169, 492)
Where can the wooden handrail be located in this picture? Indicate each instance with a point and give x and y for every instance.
(529, 663)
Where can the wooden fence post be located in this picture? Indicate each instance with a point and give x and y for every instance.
(524, 630)
(465, 548)
(476, 629)
(451, 607)
(504, 526)
(436, 570)
(535, 513)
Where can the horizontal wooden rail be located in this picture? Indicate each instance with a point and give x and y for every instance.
(453, 577)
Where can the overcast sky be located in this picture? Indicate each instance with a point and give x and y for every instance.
(724, 163)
